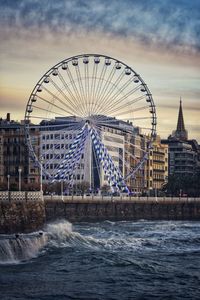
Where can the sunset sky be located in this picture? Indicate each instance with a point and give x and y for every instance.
(159, 39)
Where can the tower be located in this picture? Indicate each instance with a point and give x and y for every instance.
(180, 132)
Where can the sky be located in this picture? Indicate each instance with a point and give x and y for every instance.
(159, 39)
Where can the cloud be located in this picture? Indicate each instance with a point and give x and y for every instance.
(145, 34)
(172, 24)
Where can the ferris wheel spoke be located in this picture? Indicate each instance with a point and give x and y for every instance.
(147, 128)
(94, 75)
(39, 117)
(69, 92)
(128, 104)
(62, 93)
(81, 88)
(76, 92)
(84, 95)
(86, 72)
(133, 110)
(114, 94)
(97, 105)
(58, 127)
(53, 104)
(101, 95)
(114, 101)
(136, 119)
(102, 118)
(134, 146)
(105, 98)
(108, 96)
(59, 100)
(134, 157)
(48, 111)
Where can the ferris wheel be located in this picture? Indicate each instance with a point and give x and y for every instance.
(93, 115)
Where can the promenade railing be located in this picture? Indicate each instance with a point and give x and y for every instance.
(21, 196)
(99, 198)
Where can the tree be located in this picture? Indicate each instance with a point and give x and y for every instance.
(105, 188)
(179, 185)
(83, 186)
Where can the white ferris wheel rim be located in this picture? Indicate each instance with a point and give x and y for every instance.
(48, 76)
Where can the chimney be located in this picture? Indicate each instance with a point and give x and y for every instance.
(8, 117)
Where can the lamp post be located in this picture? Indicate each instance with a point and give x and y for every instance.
(41, 169)
(20, 179)
(8, 176)
(61, 189)
(156, 194)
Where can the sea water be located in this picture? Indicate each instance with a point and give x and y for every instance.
(107, 260)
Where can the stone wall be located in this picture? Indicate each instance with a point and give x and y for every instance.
(27, 212)
(76, 210)
(21, 212)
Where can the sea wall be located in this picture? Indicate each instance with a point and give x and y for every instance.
(21, 212)
(24, 212)
(78, 210)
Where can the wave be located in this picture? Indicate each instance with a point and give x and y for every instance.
(106, 236)
(23, 247)
(19, 248)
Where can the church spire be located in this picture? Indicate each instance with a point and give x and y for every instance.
(180, 124)
(180, 132)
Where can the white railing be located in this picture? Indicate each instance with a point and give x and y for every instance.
(98, 198)
(21, 196)
(38, 196)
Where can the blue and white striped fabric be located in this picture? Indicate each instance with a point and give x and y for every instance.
(73, 156)
(113, 174)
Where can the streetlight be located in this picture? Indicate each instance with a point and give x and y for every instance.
(61, 189)
(41, 169)
(8, 176)
(20, 178)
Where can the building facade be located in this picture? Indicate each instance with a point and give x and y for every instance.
(124, 143)
(157, 166)
(17, 171)
(183, 153)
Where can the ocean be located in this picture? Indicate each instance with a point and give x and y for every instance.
(105, 260)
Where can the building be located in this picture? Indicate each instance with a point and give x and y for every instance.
(183, 153)
(157, 166)
(17, 171)
(55, 144)
(123, 141)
